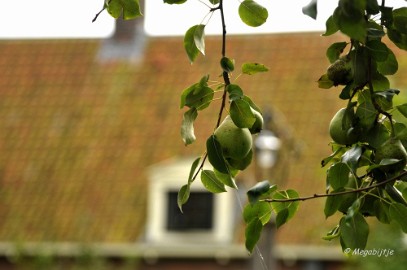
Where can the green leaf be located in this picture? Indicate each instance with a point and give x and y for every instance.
(346, 92)
(184, 192)
(399, 39)
(235, 92)
(251, 103)
(349, 17)
(291, 206)
(333, 156)
(366, 112)
(375, 33)
(174, 1)
(396, 27)
(253, 68)
(376, 136)
(331, 27)
(183, 196)
(354, 232)
(335, 50)
(252, 234)
(338, 175)
(372, 7)
(259, 210)
(386, 15)
(351, 25)
(215, 155)
(197, 96)
(400, 23)
(381, 211)
(353, 209)
(380, 82)
(214, 2)
(332, 203)
(211, 183)
(378, 50)
(400, 14)
(332, 234)
(187, 126)
(260, 190)
(395, 194)
(352, 156)
(282, 217)
(324, 82)
(398, 213)
(252, 14)
(360, 66)
(402, 109)
(385, 98)
(130, 9)
(193, 169)
(199, 38)
(226, 178)
(189, 42)
(242, 114)
(400, 131)
(311, 9)
(389, 66)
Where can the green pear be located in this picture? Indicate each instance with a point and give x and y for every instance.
(392, 149)
(236, 142)
(340, 71)
(241, 164)
(342, 132)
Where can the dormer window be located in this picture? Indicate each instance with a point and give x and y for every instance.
(206, 218)
(197, 213)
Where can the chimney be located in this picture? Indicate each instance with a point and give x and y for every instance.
(127, 30)
(127, 42)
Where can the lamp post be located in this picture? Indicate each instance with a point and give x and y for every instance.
(267, 147)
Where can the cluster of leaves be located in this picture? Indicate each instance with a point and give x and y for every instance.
(264, 201)
(128, 9)
(245, 115)
(365, 177)
(367, 166)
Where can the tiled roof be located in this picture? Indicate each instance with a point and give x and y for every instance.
(77, 134)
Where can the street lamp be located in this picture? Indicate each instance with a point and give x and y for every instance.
(267, 147)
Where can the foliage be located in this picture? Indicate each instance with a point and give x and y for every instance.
(385, 248)
(366, 173)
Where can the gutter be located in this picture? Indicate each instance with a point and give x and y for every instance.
(153, 252)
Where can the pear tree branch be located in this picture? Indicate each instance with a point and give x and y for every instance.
(315, 196)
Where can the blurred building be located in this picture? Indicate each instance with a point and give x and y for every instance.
(91, 156)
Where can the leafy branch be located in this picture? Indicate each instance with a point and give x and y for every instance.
(358, 190)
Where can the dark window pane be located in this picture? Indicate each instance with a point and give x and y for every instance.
(198, 212)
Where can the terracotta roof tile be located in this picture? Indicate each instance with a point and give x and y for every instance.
(77, 134)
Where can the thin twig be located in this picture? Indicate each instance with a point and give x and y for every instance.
(104, 7)
(225, 75)
(226, 79)
(200, 167)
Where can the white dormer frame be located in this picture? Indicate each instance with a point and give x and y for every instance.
(170, 176)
